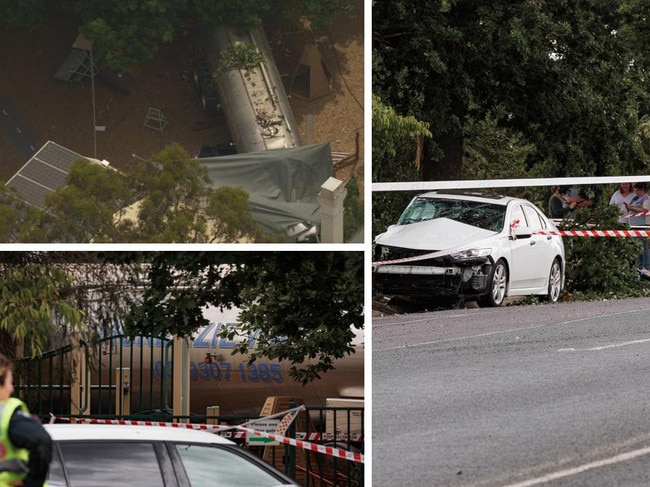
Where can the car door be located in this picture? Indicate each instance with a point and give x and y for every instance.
(541, 248)
(520, 266)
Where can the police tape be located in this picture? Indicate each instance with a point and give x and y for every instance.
(595, 233)
(136, 422)
(227, 432)
(557, 233)
(327, 450)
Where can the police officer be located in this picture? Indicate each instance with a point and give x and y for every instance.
(25, 446)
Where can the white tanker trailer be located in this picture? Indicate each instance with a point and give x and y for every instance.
(216, 377)
(253, 99)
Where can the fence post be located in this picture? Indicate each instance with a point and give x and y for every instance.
(181, 378)
(78, 368)
(212, 413)
(292, 449)
(123, 391)
(331, 198)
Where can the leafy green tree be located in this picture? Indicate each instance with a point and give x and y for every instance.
(25, 13)
(601, 267)
(31, 304)
(304, 305)
(19, 222)
(173, 189)
(178, 204)
(229, 217)
(353, 210)
(558, 74)
(395, 142)
(126, 33)
(84, 209)
(487, 142)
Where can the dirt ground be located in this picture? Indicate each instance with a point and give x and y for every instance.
(35, 108)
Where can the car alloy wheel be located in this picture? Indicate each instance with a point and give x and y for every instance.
(554, 282)
(498, 285)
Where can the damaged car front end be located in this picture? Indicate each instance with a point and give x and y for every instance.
(463, 273)
(458, 246)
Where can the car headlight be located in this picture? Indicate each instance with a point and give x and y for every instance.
(471, 254)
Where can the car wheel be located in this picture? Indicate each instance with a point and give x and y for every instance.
(554, 282)
(498, 285)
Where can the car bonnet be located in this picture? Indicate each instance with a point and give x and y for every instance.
(437, 234)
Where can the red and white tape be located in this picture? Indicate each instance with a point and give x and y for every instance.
(134, 422)
(227, 432)
(596, 233)
(328, 437)
(327, 450)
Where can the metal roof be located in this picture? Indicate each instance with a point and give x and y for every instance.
(44, 173)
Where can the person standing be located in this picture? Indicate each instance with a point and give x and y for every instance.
(577, 196)
(557, 205)
(637, 206)
(624, 194)
(25, 446)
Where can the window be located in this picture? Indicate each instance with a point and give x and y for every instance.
(98, 464)
(518, 219)
(479, 214)
(207, 465)
(534, 221)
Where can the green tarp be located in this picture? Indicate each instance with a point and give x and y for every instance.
(282, 184)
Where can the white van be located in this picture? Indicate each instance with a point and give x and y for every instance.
(152, 456)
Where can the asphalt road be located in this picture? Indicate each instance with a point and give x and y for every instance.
(553, 395)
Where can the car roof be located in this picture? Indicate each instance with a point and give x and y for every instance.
(467, 195)
(67, 432)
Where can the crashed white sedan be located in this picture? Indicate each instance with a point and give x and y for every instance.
(455, 246)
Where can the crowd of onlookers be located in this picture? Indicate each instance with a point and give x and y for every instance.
(631, 198)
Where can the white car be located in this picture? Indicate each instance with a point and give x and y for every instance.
(455, 246)
(152, 456)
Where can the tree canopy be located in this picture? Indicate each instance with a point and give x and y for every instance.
(126, 33)
(305, 305)
(565, 79)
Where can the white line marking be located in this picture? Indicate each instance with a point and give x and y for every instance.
(604, 347)
(623, 344)
(523, 327)
(624, 457)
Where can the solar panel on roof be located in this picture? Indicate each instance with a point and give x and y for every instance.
(44, 173)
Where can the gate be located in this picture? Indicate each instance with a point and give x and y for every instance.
(113, 376)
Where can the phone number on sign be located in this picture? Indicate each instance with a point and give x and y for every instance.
(223, 371)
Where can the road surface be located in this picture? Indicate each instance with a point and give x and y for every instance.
(517, 396)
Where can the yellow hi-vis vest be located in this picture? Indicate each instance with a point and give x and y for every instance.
(13, 461)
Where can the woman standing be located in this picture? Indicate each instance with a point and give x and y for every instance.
(557, 205)
(622, 195)
(637, 206)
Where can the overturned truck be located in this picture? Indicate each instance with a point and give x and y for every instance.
(237, 76)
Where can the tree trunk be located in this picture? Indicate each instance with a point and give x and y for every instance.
(449, 166)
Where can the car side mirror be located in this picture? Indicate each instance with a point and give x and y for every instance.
(520, 232)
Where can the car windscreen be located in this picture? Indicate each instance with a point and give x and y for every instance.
(213, 465)
(488, 216)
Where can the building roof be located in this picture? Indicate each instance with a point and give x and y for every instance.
(44, 173)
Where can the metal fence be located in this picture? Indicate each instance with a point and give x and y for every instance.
(111, 380)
